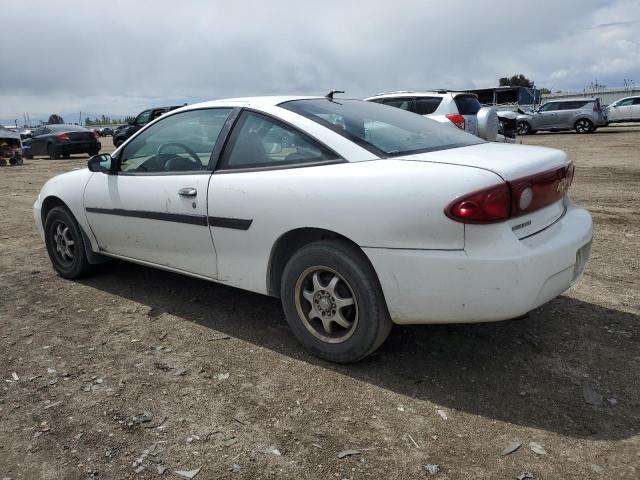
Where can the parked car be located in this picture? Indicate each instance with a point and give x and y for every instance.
(584, 115)
(62, 141)
(126, 131)
(365, 216)
(105, 131)
(10, 147)
(624, 110)
(453, 108)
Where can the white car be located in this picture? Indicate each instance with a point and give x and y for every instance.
(624, 110)
(356, 215)
(460, 109)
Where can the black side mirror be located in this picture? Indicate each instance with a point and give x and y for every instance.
(100, 163)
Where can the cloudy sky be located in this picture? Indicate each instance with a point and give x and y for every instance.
(118, 57)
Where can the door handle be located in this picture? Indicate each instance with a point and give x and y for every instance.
(187, 192)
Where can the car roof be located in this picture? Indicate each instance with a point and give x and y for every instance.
(573, 99)
(259, 101)
(418, 93)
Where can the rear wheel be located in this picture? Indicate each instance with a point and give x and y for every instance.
(333, 301)
(65, 244)
(523, 128)
(118, 142)
(53, 152)
(66, 155)
(583, 126)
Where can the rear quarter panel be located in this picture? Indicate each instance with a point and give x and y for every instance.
(376, 204)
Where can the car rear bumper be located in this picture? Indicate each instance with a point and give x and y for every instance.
(79, 147)
(496, 277)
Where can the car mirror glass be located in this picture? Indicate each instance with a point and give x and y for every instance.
(100, 163)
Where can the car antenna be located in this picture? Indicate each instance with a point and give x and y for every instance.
(331, 93)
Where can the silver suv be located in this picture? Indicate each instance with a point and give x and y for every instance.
(584, 115)
(459, 109)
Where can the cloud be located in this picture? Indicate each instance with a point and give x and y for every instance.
(121, 56)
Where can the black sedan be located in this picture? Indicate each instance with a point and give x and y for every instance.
(62, 141)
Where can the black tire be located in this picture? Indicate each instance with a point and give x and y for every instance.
(66, 155)
(369, 324)
(94, 153)
(118, 142)
(523, 128)
(70, 261)
(53, 152)
(583, 125)
(30, 157)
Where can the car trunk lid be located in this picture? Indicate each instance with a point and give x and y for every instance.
(538, 179)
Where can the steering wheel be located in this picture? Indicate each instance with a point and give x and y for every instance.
(191, 153)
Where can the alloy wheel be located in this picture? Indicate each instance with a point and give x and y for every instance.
(523, 128)
(64, 245)
(326, 304)
(583, 126)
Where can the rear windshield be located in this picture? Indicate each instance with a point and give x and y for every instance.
(383, 130)
(66, 128)
(467, 104)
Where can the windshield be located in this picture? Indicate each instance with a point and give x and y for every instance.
(383, 130)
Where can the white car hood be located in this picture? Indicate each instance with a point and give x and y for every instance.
(510, 161)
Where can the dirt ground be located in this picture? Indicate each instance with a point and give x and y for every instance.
(133, 370)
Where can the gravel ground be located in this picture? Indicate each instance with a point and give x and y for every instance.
(133, 370)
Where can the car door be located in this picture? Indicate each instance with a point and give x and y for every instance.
(545, 117)
(635, 109)
(39, 141)
(153, 206)
(567, 113)
(243, 206)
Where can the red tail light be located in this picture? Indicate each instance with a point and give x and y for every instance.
(96, 135)
(512, 199)
(490, 205)
(456, 119)
(63, 137)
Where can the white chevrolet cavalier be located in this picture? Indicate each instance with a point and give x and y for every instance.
(356, 215)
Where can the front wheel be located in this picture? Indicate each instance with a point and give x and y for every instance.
(583, 126)
(65, 244)
(333, 302)
(523, 128)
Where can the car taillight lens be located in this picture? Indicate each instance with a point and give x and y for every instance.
(490, 205)
(63, 137)
(96, 135)
(512, 199)
(456, 119)
(539, 190)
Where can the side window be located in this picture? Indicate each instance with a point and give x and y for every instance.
(143, 118)
(261, 141)
(427, 105)
(549, 107)
(180, 143)
(628, 101)
(46, 130)
(401, 103)
(38, 131)
(636, 101)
